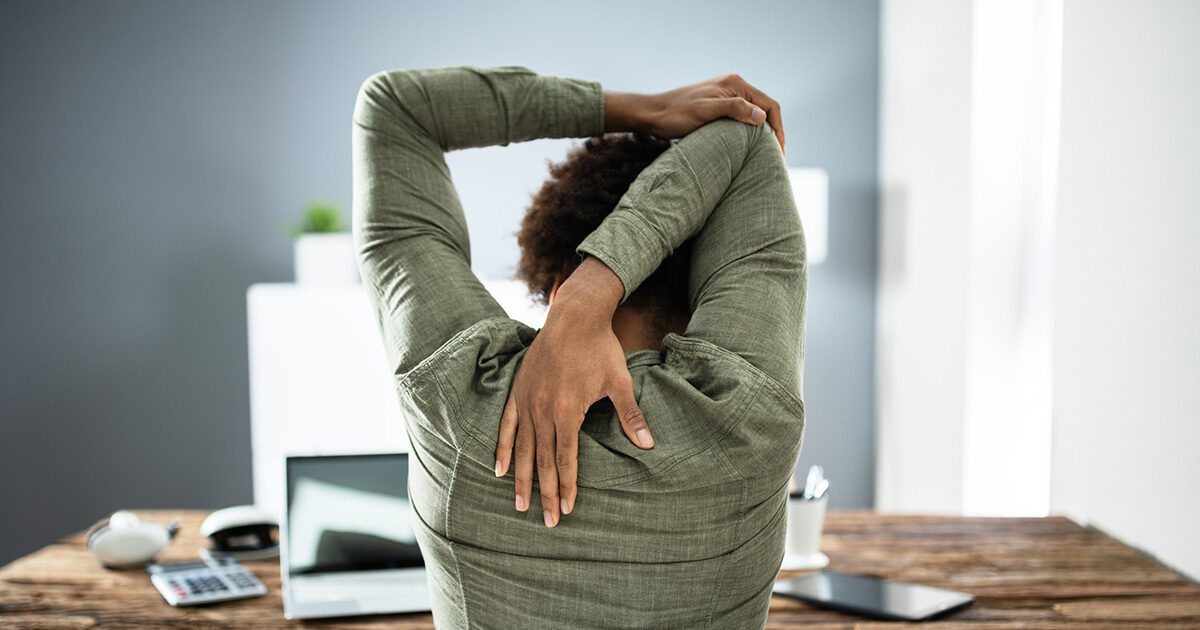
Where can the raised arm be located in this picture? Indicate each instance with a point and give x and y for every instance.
(576, 360)
(409, 226)
(727, 186)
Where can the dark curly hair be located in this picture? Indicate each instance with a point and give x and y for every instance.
(581, 191)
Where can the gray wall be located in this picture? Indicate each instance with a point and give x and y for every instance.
(153, 152)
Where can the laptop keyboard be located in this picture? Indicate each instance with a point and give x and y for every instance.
(331, 589)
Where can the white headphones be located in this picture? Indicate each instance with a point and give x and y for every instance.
(125, 541)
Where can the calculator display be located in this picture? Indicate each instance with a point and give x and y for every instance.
(349, 514)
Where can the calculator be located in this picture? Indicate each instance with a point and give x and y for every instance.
(204, 582)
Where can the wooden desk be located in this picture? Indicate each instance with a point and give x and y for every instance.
(1024, 572)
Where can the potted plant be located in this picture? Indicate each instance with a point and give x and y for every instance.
(324, 248)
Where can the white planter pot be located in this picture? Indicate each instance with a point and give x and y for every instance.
(326, 259)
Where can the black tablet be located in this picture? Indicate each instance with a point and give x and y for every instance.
(873, 597)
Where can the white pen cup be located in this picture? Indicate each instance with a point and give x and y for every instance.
(806, 520)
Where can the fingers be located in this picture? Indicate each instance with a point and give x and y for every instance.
(546, 469)
(566, 457)
(774, 113)
(508, 434)
(523, 467)
(632, 420)
(536, 442)
(739, 109)
(776, 121)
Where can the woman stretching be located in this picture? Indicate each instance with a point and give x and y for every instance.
(660, 406)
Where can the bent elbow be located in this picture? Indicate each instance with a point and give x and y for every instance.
(373, 95)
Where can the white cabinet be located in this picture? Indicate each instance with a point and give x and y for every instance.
(319, 380)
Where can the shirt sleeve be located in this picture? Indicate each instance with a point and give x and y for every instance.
(726, 186)
(409, 228)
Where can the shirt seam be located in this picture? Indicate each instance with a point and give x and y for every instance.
(557, 94)
(718, 589)
(406, 392)
(695, 177)
(451, 486)
(450, 542)
(456, 404)
(602, 99)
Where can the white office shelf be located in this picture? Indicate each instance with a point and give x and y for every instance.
(319, 380)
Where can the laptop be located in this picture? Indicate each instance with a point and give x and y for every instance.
(347, 545)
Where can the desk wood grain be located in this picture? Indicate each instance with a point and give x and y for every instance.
(1024, 572)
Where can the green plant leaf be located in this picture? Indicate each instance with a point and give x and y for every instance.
(320, 217)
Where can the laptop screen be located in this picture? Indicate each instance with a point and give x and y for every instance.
(349, 513)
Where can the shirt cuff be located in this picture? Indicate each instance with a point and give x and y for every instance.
(579, 105)
(628, 246)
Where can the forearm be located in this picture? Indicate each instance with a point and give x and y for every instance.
(409, 226)
(669, 202)
(725, 186)
(461, 107)
(591, 293)
(626, 111)
(406, 119)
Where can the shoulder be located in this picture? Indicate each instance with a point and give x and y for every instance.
(699, 397)
(484, 358)
(484, 347)
(710, 366)
(465, 381)
(763, 433)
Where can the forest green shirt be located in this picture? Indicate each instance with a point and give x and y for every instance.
(688, 534)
